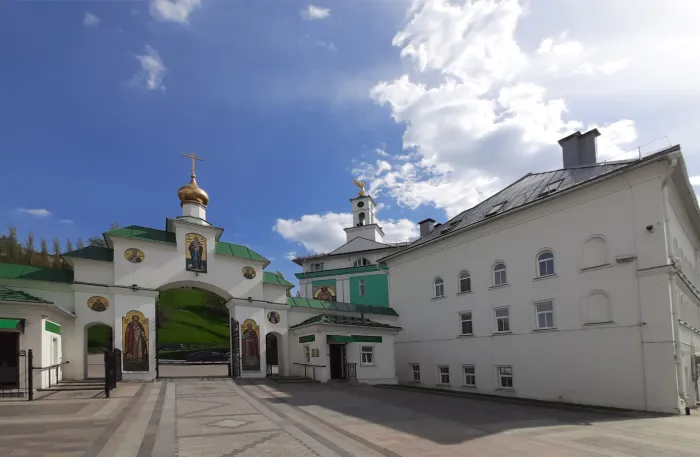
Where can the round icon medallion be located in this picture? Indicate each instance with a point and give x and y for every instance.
(134, 255)
(248, 272)
(273, 317)
(98, 303)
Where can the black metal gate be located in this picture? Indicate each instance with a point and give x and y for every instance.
(235, 361)
(16, 379)
(113, 369)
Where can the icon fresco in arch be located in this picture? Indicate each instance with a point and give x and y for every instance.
(195, 253)
(325, 293)
(250, 345)
(135, 342)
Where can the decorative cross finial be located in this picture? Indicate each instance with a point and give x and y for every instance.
(193, 157)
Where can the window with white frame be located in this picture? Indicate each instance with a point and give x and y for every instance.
(367, 355)
(499, 274)
(502, 319)
(415, 369)
(465, 282)
(362, 262)
(443, 374)
(307, 353)
(465, 323)
(469, 375)
(361, 286)
(438, 287)
(545, 264)
(505, 377)
(544, 314)
(316, 266)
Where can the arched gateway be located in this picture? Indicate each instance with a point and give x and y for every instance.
(118, 286)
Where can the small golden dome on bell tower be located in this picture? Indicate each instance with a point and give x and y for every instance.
(192, 193)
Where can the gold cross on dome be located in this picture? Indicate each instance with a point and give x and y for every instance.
(193, 157)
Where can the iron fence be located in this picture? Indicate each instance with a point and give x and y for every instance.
(113, 369)
(16, 379)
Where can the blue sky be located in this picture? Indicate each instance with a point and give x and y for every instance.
(435, 103)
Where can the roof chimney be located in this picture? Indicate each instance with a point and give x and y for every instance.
(426, 226)
(579, 149)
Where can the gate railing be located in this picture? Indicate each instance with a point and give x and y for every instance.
(351, 371)
(18, 381)
(113, 369)
(54, 371)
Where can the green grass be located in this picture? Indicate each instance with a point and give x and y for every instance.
(192, 317)
(98, 338)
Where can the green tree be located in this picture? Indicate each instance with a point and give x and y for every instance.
(44, 261)
(15, 249)
(79, 244)
(69, 245)
(29, 249)
(56, 261)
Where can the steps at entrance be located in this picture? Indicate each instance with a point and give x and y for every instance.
(293, 380)
(88, 384)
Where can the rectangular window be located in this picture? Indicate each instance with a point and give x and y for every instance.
(466, 323)
(307, 354)
(443, 374)
(544, 314)
(495, 209)
(505, 377)
(415, 369)
(469, 375)
(367, 355)
(503, 320)
(317, 266)
(361, 285)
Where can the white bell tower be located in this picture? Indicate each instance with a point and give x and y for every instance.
(364, 220)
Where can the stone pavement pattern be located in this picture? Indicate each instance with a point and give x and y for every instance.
(192, 418)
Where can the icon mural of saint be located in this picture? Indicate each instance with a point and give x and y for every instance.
(135, 344)
(196, 253)
(250, 342)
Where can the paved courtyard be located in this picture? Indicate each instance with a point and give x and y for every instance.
(219, 418)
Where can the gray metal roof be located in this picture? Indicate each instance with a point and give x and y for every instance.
(527, 189)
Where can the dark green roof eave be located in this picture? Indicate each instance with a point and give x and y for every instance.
(340, 306)
(341, 271)
(237, 250)
(100, 253)
(350, 321)
(136, 232)
(16, 295)
(273, 278)
(14, 271)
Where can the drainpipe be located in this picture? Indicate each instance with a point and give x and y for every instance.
(678, 353)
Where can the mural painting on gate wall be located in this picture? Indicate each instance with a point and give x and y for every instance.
(325, 293)
(135, 342)
(250, 345)
(195, 253)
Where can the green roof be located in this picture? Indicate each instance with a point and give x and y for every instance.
(7, 294)
(340, 306)
(334, 319)
(274, 278)
(340, 271)
(136, 232)
(12, 271)
(236, 250)
(103, 254)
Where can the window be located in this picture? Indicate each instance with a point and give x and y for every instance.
(502, 320)
(545, 264)
(316, 266)
(505, 377)
(415, 369)
(499, 274)
(465, 282)
(495, 209)
(596, 308)
(469, 375)
(362, 262)
(595, 252)
(443, 374)
(466, 323)
(551, 188)
(361, 285)
(438, 287)
(367, 355)
(544, 314)
(307, 354)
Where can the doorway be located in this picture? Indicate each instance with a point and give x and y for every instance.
(99, 338)
(9, 360)
(272, 354)
(337, 356)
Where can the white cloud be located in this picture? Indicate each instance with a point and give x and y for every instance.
(91, 20)
(327, 45)
(695, 181)
(66, 221)
(381, 152)
(291, 255)
(319, 233)
(174, 10)
(313, 12)
(39, 212)
(152, 71)
(475, 105)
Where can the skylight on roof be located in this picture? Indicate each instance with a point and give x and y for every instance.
(495, 209)
(551, 188)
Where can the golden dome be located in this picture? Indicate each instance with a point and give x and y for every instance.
(192, 193)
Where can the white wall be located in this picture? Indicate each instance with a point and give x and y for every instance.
(275, 293)
(593, 364)
(93, 271)
(259, 314)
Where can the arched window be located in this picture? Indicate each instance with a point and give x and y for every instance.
(465, 282)
(545, 264)
(438, 287)
(499, 274)
(362, 262)
(596, 308)
(595, 252)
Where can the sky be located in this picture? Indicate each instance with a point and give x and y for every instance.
(434, 104)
